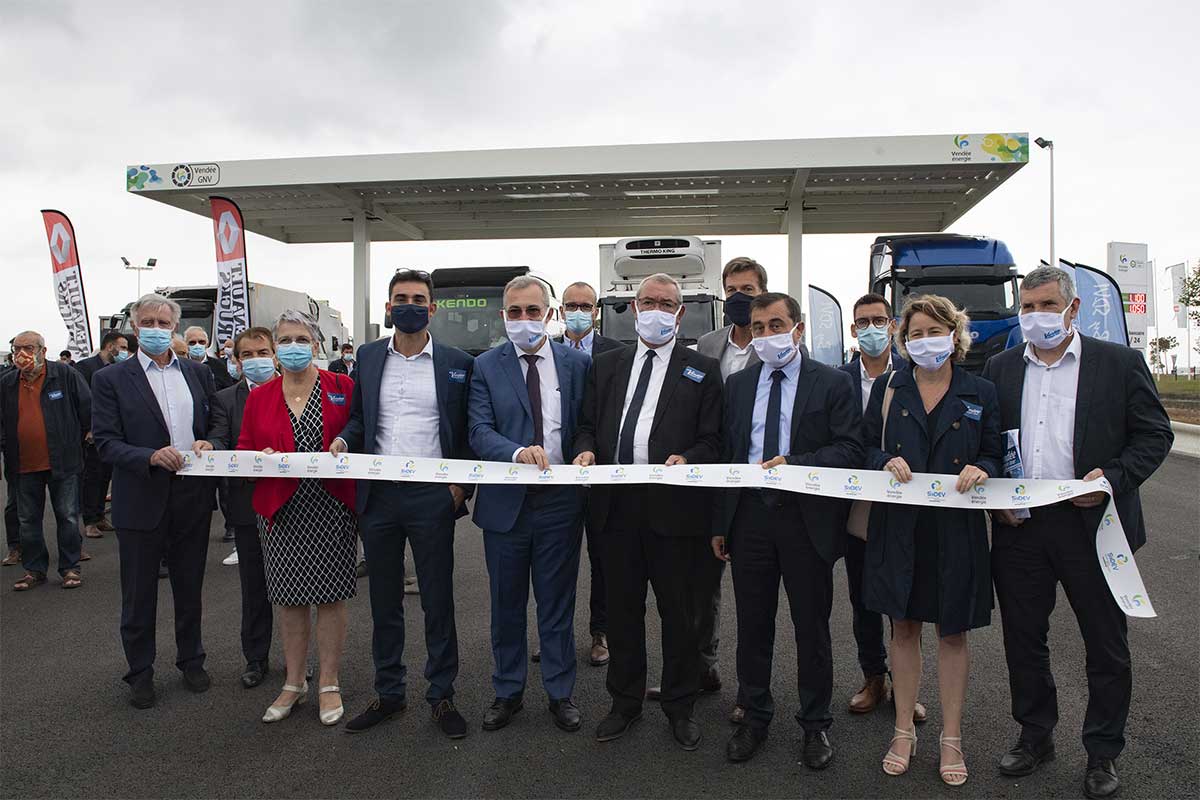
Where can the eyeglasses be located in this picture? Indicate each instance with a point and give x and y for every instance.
(528, 312)
(578, 306)
(650, 304)
(862, 323)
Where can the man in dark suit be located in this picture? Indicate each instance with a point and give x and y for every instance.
(654, 403)
(345, 363)
(253, 351)
(787, 410)
(146, 412)
(114, 347)
(196, 340)
(524, 408)
(1082, 408)
(410, 399)
(580, 309)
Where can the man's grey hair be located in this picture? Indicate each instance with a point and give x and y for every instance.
(155, 300)
(524, 282)
(583, 285)
(664, 279)
(299, 318)
(195, 328)
(1047, 274)
(41, 340)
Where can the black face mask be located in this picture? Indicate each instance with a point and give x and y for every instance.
(737, 309)
(409, 317)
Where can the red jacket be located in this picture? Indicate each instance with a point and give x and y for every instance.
(265, 423)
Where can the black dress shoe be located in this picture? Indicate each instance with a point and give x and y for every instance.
(817, 750)
(142, 694)
(254, 673)
(654, 694)
(501, 712)
(196, 679)
(745, 743)
(614, 726)
(449, 721)
(686, 732)
(1024, 758)
(710, 682)
(1101, 778)
(566, 715)
(379, 711)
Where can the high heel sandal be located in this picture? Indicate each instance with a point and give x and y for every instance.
(953, 774)
(334, 715)
(892, 763)
(276, 713)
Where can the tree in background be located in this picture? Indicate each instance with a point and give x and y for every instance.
(1189, 295)
(1159, 346)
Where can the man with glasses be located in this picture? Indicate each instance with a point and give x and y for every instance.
(652, 534)
(197, 349)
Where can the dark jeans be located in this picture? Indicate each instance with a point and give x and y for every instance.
(597, 608)
(12, 520)
(256, 609)
(423, 515)
(31, 507)
(770, 543)
(96, 477)
(868, 625)
(1028, 562)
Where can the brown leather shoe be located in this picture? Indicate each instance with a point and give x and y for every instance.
(13, 557)
(92, 532)
(599, 650)
(919, 712)
(872, 693)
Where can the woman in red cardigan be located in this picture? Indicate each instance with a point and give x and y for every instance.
(307, 525)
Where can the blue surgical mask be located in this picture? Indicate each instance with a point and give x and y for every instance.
(258, 370)
(347, 356)
(154, 341)
(196, 351)
(874, 340)
(122, 355)
(410, 317)
(295, 356)
(233, 370)
(579, 322)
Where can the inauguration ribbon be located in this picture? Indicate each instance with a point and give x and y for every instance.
(925, 489)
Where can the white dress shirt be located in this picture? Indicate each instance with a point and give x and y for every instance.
(762, 396)
(584, 344)
(408, 406)
(645, 420)
(551, 400)
(734, 358)
(174, 398)
(866, 381)
(1048, 414)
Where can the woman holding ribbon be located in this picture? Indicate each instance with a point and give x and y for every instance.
(307, 525)
(929, 563)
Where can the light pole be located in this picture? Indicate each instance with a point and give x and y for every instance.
(139, 268)
(1047, 144)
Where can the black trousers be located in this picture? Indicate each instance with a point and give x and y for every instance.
(634, 557)
(868, 624)
(12, 520)
(182, 536)
(770, 543)
(96, 477)
(223, 501)
(1028, 562)
(256, 609)
(597, 600)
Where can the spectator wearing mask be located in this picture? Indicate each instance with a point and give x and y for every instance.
(114, 348)
(197, 350)
(345, 363)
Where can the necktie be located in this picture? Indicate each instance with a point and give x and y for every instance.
(625, 445)
(533, 385)
(774, 416)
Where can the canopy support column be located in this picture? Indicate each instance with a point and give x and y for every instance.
(361, 305)
(795, 236)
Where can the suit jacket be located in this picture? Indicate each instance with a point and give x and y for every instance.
(687, 422)
(452, 374)
(854, 370)
(826, 431)
(713, 344)
(501, 421)
(88, 367)
(220, 372)
(66, 412)
(1120, 424)
(600, 344)
(128, 426)
(224, 430)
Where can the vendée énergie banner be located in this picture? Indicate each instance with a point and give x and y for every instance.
(825, 327)
(1112, 549)
(68, 282)
(232, 314)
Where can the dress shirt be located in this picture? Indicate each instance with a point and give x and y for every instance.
(758, 421)
(174, 398)
(551, 400)
(866, 381)
(584, 344)
(645, 420)
(734, 358)
(408, 423)
(1048, 414)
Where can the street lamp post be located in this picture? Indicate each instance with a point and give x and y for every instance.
(1047, 144)
(139, 268)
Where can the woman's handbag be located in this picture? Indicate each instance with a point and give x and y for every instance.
(860, 510)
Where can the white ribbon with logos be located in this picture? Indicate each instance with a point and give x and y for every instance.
(1112, 549)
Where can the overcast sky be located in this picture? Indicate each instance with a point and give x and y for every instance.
(89, 87)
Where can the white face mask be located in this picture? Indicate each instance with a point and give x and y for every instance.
(1045, 329)
(931, 352)
(656, 327)
(525, 333)
(776, 351)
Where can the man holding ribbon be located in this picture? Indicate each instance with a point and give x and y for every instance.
(1079, 408)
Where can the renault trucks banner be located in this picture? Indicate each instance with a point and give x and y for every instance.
(825, 327)
(68, 282)
(1127, 264)
(232, 314)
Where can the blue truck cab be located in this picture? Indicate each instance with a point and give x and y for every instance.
(977, 273)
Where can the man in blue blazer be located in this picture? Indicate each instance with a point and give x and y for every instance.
(146, 412)
(410, 399)
(525, 400)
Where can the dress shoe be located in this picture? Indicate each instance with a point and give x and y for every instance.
(92, 532)
(1024, 758)
(710, 682)
(231, 560)
(380, 710)
(614, 726)
(105, 525)
(654, 694)
(196, 679)
(277, 712)
(142, 694)
(686, 732)
(599, 650)
(501, 712)
(1101, 778)
(254, 673)
(332, 716)
(84, 555)
(13, 558)
(449, 721)
(745, 743)
(817, 751)
(872, 693)
(738, 715)
(566, 715)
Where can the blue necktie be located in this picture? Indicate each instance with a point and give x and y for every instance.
(774, 416)
(625, 445)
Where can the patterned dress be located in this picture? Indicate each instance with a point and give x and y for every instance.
(309, 549)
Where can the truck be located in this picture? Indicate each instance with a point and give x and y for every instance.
(978, 274)
(694, 262)
(470, 304)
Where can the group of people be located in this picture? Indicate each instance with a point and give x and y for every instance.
(748, 393)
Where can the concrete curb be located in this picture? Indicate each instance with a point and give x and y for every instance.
(1187, 439)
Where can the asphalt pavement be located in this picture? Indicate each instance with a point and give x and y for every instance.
(67, 729)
